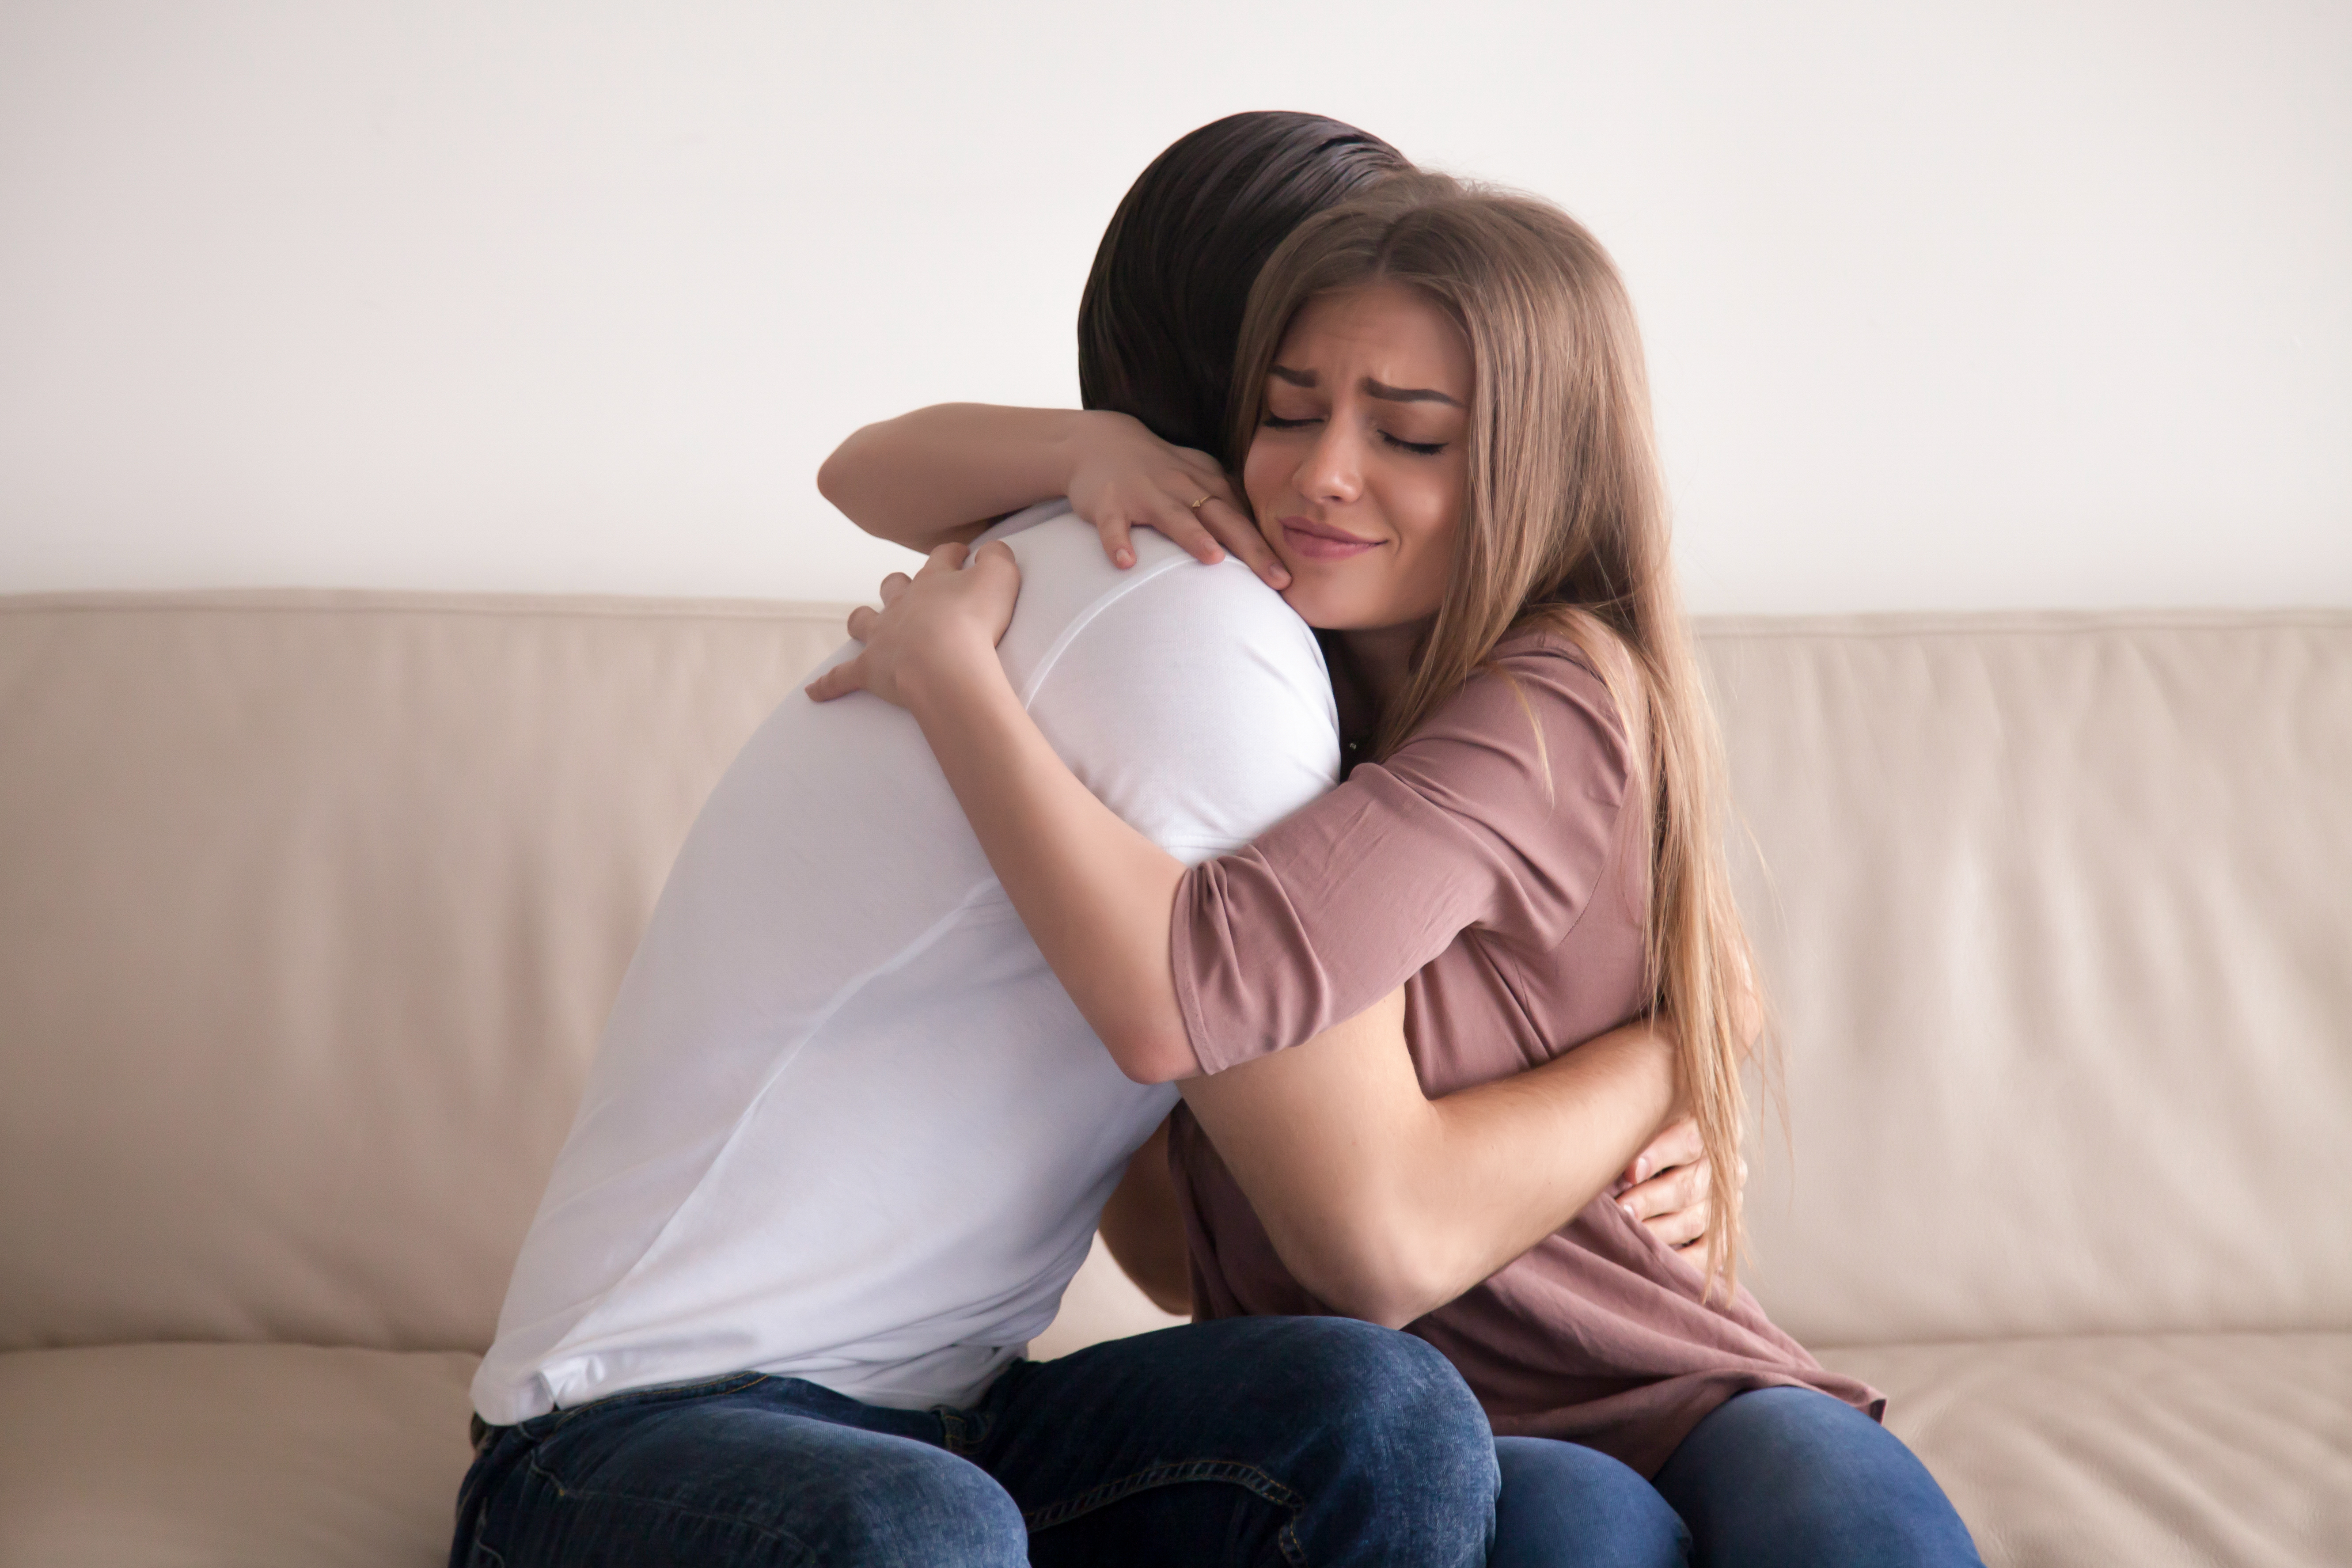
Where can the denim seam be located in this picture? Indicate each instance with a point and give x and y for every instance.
(569, 1494)
(1181, 1472)
(963, 1433)
(733, 1383)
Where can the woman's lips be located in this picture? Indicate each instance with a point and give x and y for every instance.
(1321, 542)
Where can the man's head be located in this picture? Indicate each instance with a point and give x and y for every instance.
(1162, 308)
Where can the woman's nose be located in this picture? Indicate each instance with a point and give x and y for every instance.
(1333, 471)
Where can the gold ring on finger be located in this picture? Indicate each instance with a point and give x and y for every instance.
(1204, 501)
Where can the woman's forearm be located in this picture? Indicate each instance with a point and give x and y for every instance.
(1095, 895)
(1387, 1204)
(939, 473)
(1512, 1161)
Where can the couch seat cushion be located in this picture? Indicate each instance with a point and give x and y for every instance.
(2206, 1450)
(251, 1456)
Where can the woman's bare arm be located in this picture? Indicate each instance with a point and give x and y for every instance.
(1668, 1188)
(941, 475)
(1388, 1232)
(1387, 1204)
(1096, 896)
(1383, 1203)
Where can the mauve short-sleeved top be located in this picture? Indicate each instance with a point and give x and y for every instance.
(1491, 865)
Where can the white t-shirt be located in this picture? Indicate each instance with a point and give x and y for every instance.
(844, 1123)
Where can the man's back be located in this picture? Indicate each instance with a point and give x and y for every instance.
(843, 1124)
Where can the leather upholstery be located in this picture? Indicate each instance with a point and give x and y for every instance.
(314, 908)
(313, 904)
(256, 1455)
(2058, 929)
(2156, 1450)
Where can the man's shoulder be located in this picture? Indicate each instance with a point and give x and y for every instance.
(1190, 698)
(1167, 604)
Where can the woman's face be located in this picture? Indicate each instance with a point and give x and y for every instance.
(1358, 472)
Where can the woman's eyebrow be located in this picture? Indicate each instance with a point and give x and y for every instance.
(1388, 393)
(1370, 387)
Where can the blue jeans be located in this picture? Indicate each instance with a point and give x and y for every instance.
(1256, 1440)
(1778, 1478)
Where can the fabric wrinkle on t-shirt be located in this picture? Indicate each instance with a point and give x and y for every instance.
(843, 1124)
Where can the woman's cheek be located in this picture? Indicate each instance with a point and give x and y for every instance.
(1436, 564)
(1259, 480)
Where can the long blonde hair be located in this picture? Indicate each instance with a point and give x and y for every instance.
(1564, 526)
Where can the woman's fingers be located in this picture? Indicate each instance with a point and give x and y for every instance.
(1233, 530)
(1179, 519)
(1677, 1144)
(849, 675)
(1163, 516)
(1680, 1228)
(842, 678)
(1117, 541)
(1178, 504)
(939, 601)
(1677, 1206)
(1669, 1191)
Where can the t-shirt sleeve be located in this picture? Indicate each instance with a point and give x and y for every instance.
(1500, 812)
(1195, 704)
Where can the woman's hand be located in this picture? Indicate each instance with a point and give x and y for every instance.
(1670, 1188)
(1095, 893)
(1122, 478)
(946, 616)
(942, 474)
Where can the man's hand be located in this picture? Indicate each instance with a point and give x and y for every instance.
(1670, 1188)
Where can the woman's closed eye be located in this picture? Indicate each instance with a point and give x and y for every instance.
(1273, 421)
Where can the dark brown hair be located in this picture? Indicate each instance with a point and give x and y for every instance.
(1162, 307)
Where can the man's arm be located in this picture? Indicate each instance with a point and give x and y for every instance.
(1143, 1226)
(1387, 1204)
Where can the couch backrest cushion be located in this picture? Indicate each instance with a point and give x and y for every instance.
(311, 907)
(310, 910)
(2059, 920)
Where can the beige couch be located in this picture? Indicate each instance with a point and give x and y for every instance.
(311, 907)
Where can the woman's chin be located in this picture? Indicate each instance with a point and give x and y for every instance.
(1328, 607)
(1314, 603)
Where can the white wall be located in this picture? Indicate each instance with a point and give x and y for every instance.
(1965, 304)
